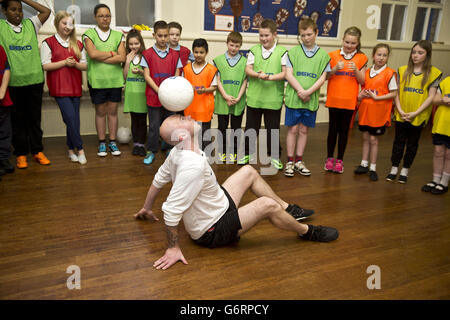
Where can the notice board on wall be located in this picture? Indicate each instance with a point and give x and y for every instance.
(247, 15)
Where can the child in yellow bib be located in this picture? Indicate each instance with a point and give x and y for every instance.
(417, 87)
(441, 141)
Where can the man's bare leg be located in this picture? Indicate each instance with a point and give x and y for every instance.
(248, 178)
(267, 208)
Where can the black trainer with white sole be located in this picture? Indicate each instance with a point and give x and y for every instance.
(320, 234)
(299, 213)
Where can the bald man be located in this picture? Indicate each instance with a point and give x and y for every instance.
(209, 211)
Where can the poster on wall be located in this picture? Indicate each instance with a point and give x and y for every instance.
(247, 15)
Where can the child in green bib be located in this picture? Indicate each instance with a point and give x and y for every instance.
(230, 103)
(266, 67)
(106, 53)
(18, 37)
(306, 72)
(135, 100)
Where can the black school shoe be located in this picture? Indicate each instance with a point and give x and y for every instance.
(373, 175)
(391, 177)
(402, 179)
(320, 234)
(135, 151)
(142, 152)
(361, 170)
(439, 189)
(299, 213)
(429, 186)
(6, 166)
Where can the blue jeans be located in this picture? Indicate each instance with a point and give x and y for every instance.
(70, 110)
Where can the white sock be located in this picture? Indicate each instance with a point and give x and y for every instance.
(404, 172)
(373, 167)
(364, 163)
(445, 178)
(394, 170)
(437, 178)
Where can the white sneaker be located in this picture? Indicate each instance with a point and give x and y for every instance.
(300, 168)
(82, 159)
(289, 169)
(73, 157)
(114, 149)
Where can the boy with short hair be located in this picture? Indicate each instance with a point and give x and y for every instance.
(266, 67)
(175, 30)
(306, 72)
(159, 62)
(202, 76)
(232, 83)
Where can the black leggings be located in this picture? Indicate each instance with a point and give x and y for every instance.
(405, 135)
(339, 125)
(236, 123)
(139, 127)
(271, 122)
(26, 119)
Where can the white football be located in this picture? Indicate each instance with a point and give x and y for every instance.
(175, 93)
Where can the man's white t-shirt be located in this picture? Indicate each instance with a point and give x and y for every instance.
(196, 196)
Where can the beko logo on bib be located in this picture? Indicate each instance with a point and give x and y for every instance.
(20, 48)
(415, 90)
(306, 74)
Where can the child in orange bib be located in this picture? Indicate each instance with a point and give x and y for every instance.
(348, 69)
(202, 76)
(380, 88)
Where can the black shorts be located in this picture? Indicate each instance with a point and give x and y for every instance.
(440, 139)
(100, 96)
(225, 231)
(373, 131)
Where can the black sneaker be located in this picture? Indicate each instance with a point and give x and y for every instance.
(361, 170)
(2, 172)
(135, 151)
(142, 152)
(320, 234)
(6, 165)
(402, 179)
(373, 175)
(299, 213)
(391, 177)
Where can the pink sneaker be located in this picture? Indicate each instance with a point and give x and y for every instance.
(339, 166)
(329, 164)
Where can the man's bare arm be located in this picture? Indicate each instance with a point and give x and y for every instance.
(173, 253)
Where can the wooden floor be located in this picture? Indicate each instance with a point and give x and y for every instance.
(67, 214)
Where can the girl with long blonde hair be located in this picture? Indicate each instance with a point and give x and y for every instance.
(64, 58)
